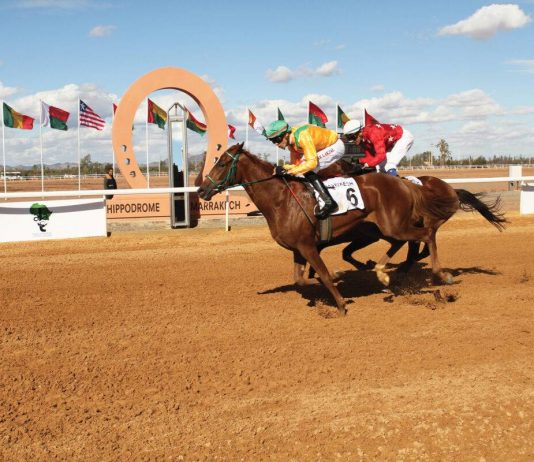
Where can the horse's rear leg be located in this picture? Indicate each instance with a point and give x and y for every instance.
(311, 254)
(438, 273)
(357, 245)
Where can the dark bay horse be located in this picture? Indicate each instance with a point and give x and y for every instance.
(400, 210)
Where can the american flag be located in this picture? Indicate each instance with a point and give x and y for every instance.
(89, 118)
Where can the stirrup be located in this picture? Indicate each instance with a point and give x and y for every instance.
(326, 211)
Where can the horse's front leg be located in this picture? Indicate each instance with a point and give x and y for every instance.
(381, 264)
(299, 270)
(311, 254)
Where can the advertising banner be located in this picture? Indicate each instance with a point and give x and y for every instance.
(49, 219)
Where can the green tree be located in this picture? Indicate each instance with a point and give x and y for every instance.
(445, 155)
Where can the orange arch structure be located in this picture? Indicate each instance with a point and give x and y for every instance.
(161, 79)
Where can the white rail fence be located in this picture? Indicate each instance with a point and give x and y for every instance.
(193, 189)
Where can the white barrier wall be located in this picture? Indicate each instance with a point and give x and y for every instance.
(48, 219)
(526, 202)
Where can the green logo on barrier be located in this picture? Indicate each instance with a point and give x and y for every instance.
(42, 215)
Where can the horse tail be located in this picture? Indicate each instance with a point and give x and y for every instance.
(428, 203)
(491, 211)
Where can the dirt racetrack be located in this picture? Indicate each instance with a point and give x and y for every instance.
(195, 345)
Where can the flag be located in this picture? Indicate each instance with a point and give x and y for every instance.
(89, 118)
(342, 118)
(253, 123)
(54, 117)
(194, 124)
(280, 115)
(13, 119)
(316, 116)
(369, 119)
(231, 131)
(156, 115)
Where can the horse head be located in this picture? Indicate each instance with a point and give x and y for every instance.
(223, 174)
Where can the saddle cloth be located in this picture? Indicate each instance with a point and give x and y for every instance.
(345, 192)
(414, 180)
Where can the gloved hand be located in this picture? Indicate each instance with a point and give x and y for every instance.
(280, 171)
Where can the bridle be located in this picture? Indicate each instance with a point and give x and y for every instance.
(228, 180)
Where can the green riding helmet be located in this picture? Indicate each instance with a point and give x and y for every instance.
(276, 129)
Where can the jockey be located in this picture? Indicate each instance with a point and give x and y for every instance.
(384, 145)
(312, 149)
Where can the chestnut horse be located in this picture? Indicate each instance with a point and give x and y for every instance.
(401, 210)
(369, 233)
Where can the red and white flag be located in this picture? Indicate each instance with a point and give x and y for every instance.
(89, 118)
(253, 123)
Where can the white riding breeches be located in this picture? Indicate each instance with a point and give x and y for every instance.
(393, 157)
(329, 155)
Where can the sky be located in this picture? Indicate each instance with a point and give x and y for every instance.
(459, 70)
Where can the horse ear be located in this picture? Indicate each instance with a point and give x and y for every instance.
(240, 146)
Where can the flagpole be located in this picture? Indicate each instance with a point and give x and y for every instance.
(79, 161)
(4, 149)
(146, 130)
(246, 132)
(112, 150)
(337, 118)
(41, 143)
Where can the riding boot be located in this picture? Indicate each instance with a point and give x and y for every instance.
(330, 205)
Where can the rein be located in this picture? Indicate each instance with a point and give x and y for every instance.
(298, 202)
(230, 175)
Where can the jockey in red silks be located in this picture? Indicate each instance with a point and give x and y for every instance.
(384, 145)
(312, 149)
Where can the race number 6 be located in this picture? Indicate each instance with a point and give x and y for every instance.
(351, 196)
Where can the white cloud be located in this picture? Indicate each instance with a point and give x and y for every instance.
(7, 91)
(285, 74)
(523, 65)
(377, 88)
(101, 31)
(487, 21)
(280, 74)
(326, 69)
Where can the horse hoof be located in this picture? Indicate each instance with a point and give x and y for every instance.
(384, 279)
(448, 279)
(342, 311)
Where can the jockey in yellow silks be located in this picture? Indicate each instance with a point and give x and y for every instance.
(312, 149)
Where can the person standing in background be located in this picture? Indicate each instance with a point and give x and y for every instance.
(109, 180)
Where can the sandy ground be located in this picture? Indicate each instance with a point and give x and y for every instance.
(195, 345)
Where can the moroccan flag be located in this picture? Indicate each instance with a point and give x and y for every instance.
(231, 131)
(342, 118)
(316, 116)
(194, 124)
(53, 117)
(156, 115)
(13, 119)
(369, 119)
(280, 115)
(253, 123)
